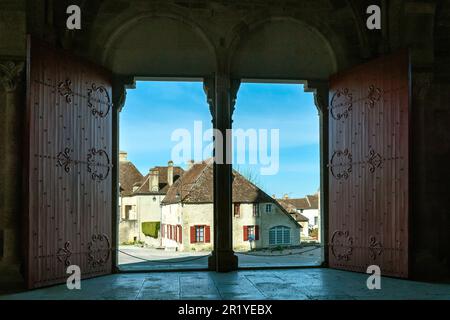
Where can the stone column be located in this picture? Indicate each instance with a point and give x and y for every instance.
(12, 116)
(223, 258)
(119, 93)
(426, 248)
(321, 99)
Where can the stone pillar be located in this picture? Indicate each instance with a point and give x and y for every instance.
(428, 241)
(222, 102)
(320, 90)
(12, 117)
(118, 98)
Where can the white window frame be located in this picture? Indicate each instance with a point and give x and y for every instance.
(283, 230)
(200, 234)
(269, 208)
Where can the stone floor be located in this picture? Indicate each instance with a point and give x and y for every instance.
(292, 284)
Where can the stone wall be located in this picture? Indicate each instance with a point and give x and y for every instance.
(202, 214)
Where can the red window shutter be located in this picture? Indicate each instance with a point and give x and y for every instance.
(175, 233)
(193, 234)
(256, 232)
(180, 234)
(162, 230)
(207, 234)
(245, 233)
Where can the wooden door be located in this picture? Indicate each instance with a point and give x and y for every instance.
(369, 166)
(69, 204)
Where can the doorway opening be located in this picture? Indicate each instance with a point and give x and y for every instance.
(166, 220)
(276, 185)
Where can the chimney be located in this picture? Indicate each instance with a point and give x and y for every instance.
(123, 156)
(154, 180)
(190, 164)
(286, 196)
(170, 172)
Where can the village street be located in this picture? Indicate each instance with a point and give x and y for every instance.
(134, 258)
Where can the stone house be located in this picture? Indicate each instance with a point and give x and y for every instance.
(301, 219)
(308, 207)
(258, 219)
(140, 198)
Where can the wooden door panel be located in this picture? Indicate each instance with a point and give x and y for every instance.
(69, 172)
(369, 166)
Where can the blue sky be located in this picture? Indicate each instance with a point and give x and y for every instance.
(155, 109)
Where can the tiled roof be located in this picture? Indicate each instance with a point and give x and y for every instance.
(128, 176)
(163, 185)
(309, 202)
(313, 201)
(290, 208)
(196, 186)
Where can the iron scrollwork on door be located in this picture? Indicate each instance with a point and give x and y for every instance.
(341, 104)
(341, 164)
(94, 166)
(63, 254)
(375, 160)
(341, 245)
(373, 97)
(64, 159)
(99, 249)
(65, 90)
(99, 101)
(375, 248)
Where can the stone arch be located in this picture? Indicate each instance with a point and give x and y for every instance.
(157, 42)
(247, 52)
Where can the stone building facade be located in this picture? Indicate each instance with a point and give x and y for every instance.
(141, 197)
(259, 221)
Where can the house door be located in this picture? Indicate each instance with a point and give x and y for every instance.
(69, 187)
(368, 166)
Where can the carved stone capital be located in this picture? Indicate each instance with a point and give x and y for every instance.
(10, 74)
(120, 86)
(320, 90)
(209, 88)
(221, 86)
(234, 88)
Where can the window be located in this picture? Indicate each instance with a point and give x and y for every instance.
(237, 210)
(268, 208)
(316, 221)
(199, 234)
(128, 210)
(255, 210)
(251, 233)
(279, 235)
